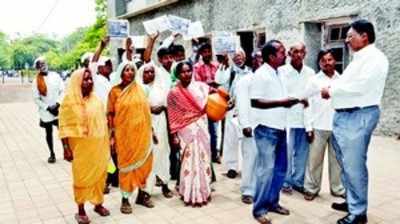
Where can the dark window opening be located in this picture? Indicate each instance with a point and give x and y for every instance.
(247, 43)
(335, 34)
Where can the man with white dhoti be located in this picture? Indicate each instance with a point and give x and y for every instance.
(248, 144)
(228, 76)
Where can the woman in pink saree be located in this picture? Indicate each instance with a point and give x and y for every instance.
(188, 125)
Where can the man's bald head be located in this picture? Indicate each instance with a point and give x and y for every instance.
(298, 46)
(297, 54)
(239, 58)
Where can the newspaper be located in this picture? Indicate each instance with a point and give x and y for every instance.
(224, 43)
(138, 41)
(195, 30)
(178, 24)
(159, 24)
(118, 28)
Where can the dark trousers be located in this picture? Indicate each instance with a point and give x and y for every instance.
(175, 165)
(212, 129)
(48, 127)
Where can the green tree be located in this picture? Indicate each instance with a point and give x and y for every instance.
(23, 51)
(89, 40)
(21, 55)
(101, 9)
(5, 60)
(63, 54)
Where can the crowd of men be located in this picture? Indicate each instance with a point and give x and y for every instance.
(282, 118)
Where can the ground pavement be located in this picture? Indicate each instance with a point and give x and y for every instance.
(33, 191)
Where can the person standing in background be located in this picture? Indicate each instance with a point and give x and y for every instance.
(48, 91)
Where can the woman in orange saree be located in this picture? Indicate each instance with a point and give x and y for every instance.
(83, 131)
(130, 122)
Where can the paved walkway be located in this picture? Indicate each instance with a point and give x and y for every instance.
(32, 191)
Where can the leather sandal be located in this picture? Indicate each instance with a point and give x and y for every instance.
(101, 210)
(144, 199)
(167, 192)
(82, 219)
(263, 220)
(126, 208)
(309, 196)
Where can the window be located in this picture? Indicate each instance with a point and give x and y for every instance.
(333, 37)
(247, 44)
(261, 40)
(338, 33)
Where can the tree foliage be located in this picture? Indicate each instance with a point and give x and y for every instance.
(61, 54)
(5, 59)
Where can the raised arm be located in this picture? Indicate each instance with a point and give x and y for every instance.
(103, 44)
(170, 40)
(147, 52)
(129, 49)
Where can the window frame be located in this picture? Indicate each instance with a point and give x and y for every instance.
(326, 41)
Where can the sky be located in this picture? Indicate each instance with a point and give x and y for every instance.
(29, 16)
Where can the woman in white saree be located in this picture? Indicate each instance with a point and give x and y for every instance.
(156, 91)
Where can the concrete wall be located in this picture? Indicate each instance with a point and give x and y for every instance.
(293, 20)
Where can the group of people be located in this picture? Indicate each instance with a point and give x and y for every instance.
(149, 119)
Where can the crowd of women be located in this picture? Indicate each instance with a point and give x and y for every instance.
(143, 117)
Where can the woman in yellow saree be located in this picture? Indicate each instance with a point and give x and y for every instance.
(83, 131)
(130, 122)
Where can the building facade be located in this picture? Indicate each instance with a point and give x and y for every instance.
(318, 23)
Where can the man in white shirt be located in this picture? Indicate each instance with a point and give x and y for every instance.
(248, 144)
(48, 90)
(356, 97)
(101, 68)
(164, 57)
(295, 77)
(102, 84)
(269, 101)
(318, 121)
(228, 76)
(177, 51)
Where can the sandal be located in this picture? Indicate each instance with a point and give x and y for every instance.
(101, 210)
(309, 196)
(167, 192)
(126, 208)
(82, 219)
(144, 199)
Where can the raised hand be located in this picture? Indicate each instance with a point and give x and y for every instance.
(154, 36)
(105, 41)
(128, 44)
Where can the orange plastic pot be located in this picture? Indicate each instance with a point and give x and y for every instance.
(217, 105)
